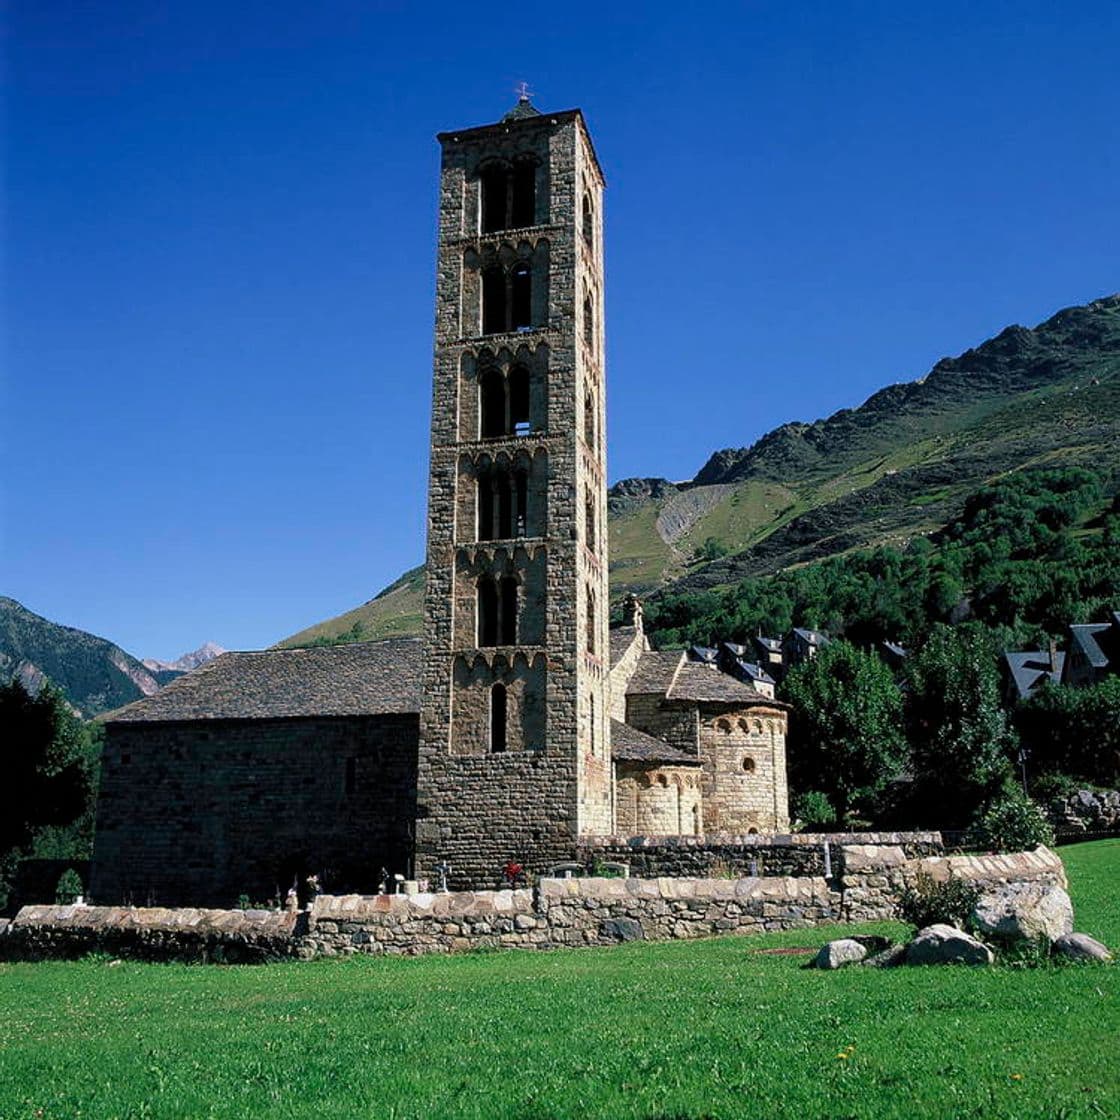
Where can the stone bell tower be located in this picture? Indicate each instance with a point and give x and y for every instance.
(514, 727)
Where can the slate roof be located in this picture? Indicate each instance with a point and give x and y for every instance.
(1086, 637)
(703, 653)
(755, 672)
(773, 645)
(656, 671)
(622, 637)
(1029, 668)
(356, 679)
(705, 685)
(813, 637)
(628, 744)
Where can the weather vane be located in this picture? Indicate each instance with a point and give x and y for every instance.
(524, 93)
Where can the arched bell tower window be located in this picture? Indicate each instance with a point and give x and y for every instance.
(589, 421)
(589, 519)
(521, 297)
(591, 621)
(509, 195)
(492, 404)
(493, 300)
(494, 180)
(588, 221)
(523, 204)
(497, 612)
(519, 401)
(498, 718)
(503, 503)
(589, 324)
(508, 612)
(487, 613)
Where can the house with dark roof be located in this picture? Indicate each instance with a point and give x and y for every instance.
(1093, 653)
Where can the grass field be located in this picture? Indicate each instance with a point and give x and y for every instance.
(721, 1028)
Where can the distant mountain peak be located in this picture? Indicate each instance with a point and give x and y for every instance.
(205, 652)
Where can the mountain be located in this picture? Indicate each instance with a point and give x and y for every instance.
(95, 674)
(898, 466)
(205, 652)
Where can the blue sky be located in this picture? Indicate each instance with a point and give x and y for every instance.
(220, 233)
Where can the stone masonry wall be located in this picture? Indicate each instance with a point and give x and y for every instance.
(798, 854)
(196, 814)
(556, 913)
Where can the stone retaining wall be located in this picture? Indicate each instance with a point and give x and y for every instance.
(556, 912)
(799, 853)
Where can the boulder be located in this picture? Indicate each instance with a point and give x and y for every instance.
(621, 929)
(887, 958)
(836, 954)
(1080, 947)
(1024, 912)
(941, 944)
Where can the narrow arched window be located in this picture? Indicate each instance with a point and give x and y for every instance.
(492, 405)
(589, 520)
(487, 613)
(498, 713)
(591, 623)
(521, 297)
(519, 401)
(504, 505)
(493, 300)
(589, 324)
(487, 530)
(508, 612)
(591, 716)
(524, 202)
(589, 421)
(588, 221)
(495, 197)
(520, 503)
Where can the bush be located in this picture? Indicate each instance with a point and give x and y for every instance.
(69, 888)
(928, 902)
(1012, 822)
(1054, 787)
(814, 810)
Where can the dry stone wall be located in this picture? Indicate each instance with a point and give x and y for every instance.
(555, 913)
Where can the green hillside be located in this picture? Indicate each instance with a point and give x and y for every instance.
(396, 612)
(95, 675)
(898, 466)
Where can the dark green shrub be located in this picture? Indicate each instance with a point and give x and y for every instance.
(69, 887)
(1051, 787)
(1012, 822)
(929, 902)
(814, 810)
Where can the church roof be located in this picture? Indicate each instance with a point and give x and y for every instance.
(622, 638)
(355, 679)
(704, 684)
(628, 744)
(656, 671)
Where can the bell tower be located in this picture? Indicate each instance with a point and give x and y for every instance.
(515, 759)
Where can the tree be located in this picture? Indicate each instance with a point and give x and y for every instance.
(961, 743)
(1074, 731)
(846, 738)
(45, 777)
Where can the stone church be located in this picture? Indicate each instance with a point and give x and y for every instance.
(521, 725)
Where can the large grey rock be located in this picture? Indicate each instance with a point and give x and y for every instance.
(941, 944)
(1080, 947)
(621, 929)
(889, 957)
(1024, 912)
(838, 953)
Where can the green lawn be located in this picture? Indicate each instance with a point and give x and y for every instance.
(719, 1028)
